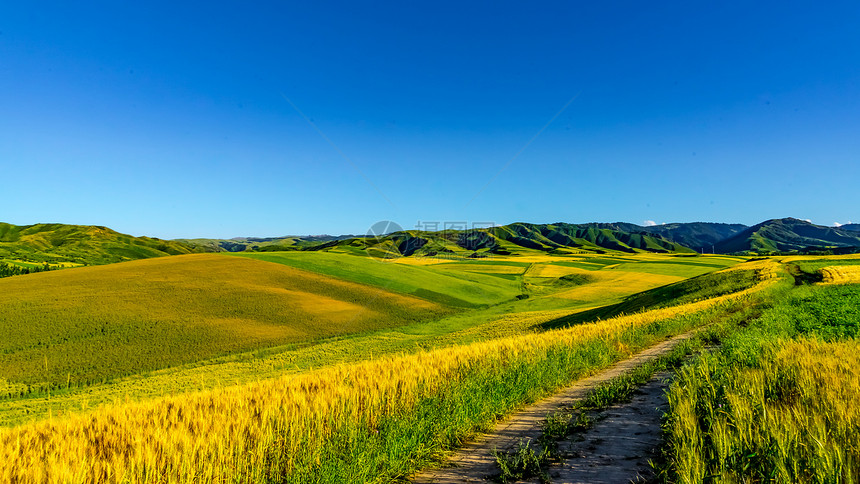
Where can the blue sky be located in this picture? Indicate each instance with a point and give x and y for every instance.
(176, 121)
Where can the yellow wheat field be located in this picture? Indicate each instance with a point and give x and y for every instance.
(615, 284)
(800, 409)
(840, 275)
(228, 435)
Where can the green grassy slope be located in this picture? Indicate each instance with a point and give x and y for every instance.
(93, 323)
(461, 289)
(81, 244)
(701, 287)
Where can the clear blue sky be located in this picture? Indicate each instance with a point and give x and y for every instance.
(173, 121)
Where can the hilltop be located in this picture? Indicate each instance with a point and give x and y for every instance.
(81, 244)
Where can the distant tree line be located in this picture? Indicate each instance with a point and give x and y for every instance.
(7, 269)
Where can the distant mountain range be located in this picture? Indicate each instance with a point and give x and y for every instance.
(86, 244)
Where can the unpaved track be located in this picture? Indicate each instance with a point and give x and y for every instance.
(475, 463)
(618, 447)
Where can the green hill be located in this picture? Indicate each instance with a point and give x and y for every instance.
(90, 324)
(788, 234)
(80, 244)
(449, 287)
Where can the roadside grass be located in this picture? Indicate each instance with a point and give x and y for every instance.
(372, 421)
(780, 401)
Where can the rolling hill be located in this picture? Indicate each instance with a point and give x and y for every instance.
(90, 324)
(788, 234)
(81, 244)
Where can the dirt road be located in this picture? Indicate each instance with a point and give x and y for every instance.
(475, 463)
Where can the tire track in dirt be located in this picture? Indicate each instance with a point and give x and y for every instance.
(619, 445)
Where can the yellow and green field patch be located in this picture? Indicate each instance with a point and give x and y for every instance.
(86, 325)
(465, 289)
(609, 285)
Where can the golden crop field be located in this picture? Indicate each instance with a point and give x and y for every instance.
(779, 401)
(840, 274)
(613, 283)
(799, 408)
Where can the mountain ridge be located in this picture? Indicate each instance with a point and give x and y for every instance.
(786, 235)
(91, 244)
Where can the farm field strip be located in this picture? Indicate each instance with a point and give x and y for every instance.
(462, 289)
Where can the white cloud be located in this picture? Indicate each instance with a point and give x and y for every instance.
(807, 220)
(649, 223)
(837, 224)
